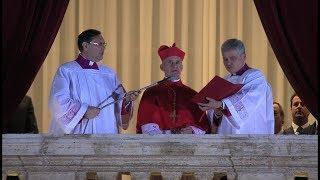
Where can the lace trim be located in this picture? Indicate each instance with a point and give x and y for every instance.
(238, 105)
(67, 118)
(151, 129)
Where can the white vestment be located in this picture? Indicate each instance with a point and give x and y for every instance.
(251, 107)
(74, 89)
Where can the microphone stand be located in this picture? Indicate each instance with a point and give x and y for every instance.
(139, 90)
(125, 95)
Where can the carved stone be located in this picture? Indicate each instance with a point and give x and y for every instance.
(41, 156)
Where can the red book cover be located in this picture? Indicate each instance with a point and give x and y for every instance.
(218, 88)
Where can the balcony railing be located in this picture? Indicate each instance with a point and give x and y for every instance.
(246, 157)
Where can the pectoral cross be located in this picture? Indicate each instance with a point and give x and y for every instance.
(174, 115)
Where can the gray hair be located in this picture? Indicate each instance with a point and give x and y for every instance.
(233, 44)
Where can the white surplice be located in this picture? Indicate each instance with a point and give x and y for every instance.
(251, 107)
(74, 89)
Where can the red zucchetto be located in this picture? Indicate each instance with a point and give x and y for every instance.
(165, 51)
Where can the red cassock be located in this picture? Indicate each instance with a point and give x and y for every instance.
(169, 106)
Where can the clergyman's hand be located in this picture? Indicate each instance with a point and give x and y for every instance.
(186, 130)
(212, 104)
(91, 112)
(218, 112)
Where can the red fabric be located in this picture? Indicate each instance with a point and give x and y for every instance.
(28, 31)
(217, 89)
(126, 107)
(292, 28)
(156, 106)
(165, 51)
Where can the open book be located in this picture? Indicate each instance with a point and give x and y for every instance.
(218, 88)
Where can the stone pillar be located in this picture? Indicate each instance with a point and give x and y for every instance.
(22, 175)
(231, 175)
(203, 175)
(140, 175)
(171, 175)
(108, 175)
(313, 176)
(51, 175)
(261, 176)
(81, 175)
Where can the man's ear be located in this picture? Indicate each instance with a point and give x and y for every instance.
(244, 56)
(161, 67)
(85, 45)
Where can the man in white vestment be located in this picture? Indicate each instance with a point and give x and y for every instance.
(81, 90)
(250, 110)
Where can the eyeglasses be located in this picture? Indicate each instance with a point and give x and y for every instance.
(99, 44)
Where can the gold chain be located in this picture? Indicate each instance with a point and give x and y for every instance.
(174, 111)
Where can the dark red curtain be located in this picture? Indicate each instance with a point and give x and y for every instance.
(29, 28)
(292, 28)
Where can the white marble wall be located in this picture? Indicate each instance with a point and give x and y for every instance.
(242, 157)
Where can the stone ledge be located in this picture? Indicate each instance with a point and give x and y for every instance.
(243, 155)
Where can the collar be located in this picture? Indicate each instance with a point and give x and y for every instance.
(173, 82)
(244, 68)
(86, 64)
(295, 127)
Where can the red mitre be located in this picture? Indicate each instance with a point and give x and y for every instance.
(165, 51)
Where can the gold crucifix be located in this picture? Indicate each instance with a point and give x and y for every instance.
(174, 115)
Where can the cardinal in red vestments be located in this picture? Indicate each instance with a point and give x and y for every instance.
(167, 108)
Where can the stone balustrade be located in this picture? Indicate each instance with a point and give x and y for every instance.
(44, 156)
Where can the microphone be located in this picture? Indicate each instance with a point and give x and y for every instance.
(159, 82)
(139, 90)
